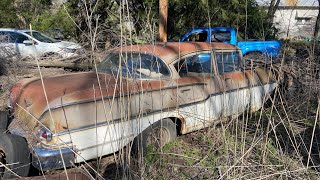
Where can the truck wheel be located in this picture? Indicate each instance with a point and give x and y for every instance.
(15, 155)
(3, 121)
(155, 137)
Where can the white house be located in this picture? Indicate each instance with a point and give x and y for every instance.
(295, 21)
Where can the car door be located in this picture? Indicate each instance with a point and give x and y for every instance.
(236, 93)
(198, 90)
(7, 45)
(25, 49)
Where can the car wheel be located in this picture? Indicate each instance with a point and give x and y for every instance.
(3, 121)
(154, 137)
(14, 155)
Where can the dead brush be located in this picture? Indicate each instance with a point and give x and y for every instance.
(277, 142)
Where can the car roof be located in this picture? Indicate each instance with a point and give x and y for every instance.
(171, 50)
(16, 30)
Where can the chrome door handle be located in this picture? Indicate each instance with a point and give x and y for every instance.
(184, 90)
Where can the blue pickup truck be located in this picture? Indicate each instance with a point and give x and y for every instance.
(229, 36)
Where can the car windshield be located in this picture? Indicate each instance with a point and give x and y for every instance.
(41, 37)
(134, 65)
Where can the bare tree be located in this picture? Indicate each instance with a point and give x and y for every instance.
(274, 4)
(316, 28)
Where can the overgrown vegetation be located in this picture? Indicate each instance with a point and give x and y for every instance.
(278, 142)
(141, 18)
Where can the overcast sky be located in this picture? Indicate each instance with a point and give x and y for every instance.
(284, 2)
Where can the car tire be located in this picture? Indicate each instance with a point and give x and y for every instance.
(14, 152)
(156, 135)
(4, 121)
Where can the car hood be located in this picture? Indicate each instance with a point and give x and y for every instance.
(68, 44)
(28, 94)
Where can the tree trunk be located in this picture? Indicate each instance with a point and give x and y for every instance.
(274, 4)
(163, 16)
(22, 20)
(316, 27)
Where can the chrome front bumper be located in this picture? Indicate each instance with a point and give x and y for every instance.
(47, 159)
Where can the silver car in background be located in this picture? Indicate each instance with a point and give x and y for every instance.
(33, 44)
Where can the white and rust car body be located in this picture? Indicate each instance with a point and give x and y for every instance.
(90, 114)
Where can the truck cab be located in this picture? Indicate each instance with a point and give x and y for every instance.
(229, 36)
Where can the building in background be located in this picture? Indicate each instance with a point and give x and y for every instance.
(295, 19)
(295, 22)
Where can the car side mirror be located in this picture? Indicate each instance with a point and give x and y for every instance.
(28, 42)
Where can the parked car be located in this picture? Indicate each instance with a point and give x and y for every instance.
(229, 36)
(145, 94)
(27, 43)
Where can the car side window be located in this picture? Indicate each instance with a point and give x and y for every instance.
(199, 64)
(220, 36)
(197, 37)
(17, 38)
(5, 37)
(227, 61)
(134, 65)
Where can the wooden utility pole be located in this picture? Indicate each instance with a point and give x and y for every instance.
(163, 16)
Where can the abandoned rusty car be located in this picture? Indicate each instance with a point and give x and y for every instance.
(144, 94)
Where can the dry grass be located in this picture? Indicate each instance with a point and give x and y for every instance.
(281, 141)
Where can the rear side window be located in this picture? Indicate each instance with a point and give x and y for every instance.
(220, 36)
(18, 38)
(194, 65)
(197, 37)
(12, 37)
(4, 37)
(227, 61)
(134, 65)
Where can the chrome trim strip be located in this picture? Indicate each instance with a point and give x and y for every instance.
(110, 97)
(152, 112)
(55, 145)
